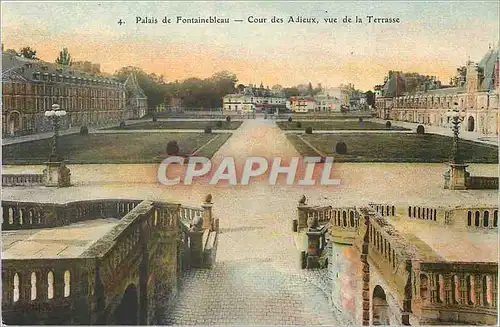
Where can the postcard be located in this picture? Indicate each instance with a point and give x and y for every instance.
(250, 163)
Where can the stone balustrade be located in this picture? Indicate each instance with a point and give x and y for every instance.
(22, 179)
(478, 218)
(482, 183)
(384, 209)
(148, 248)
(29, 215)
(458, 292)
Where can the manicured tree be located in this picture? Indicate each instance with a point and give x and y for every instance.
(289, 119)
(388, 124)
(299, 124)
(219, 124)
(360, 119)
(309, 130)
(172, 148)
(420, 129)
(208, 129)
(228, 118)
(122, 124)
(341, 148)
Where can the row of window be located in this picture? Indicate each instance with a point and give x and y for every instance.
(34, 288)
(38, 76)
(460, 290)
(485, 221)
(386, 210)
(63, 90)
(45, 103)
(343, 221)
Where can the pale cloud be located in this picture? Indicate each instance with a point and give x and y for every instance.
(433, 38)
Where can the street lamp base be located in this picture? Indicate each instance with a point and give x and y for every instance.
(56, 174)
(456, 177)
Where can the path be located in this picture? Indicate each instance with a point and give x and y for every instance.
(257, 279)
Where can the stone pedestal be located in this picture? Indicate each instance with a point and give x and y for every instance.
(208, 222)
(56, 174)
(313, 236)
(457, 177)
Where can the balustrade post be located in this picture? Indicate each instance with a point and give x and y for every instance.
(313, 243)
(302, 211)
(208, 222)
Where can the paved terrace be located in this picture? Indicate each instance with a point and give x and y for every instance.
(54, 243)
(447, 243)
(257, 279)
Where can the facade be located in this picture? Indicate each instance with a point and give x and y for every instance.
(302, 104)
(330, 100)
(31, 87)
(137, 102)
(253, 98)
(477, 96)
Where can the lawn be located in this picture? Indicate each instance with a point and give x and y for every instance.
(327, 125)
(393, 147)
(187, 124)
(112, 148)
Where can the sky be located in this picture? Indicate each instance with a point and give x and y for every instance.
(432, 38)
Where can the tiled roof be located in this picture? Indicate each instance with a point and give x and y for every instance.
(488, 65)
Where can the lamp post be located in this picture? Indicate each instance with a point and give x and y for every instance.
(56, 173)
(55, 115)
(456, 177)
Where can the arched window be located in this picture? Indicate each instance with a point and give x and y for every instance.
(469, 218)
(486, 219)
(455, 288)
(487, 290)
(16, 287)
(33, 286)
(67, 283)
(50, 285)
(495, 218)
(476, 218)
(440, 288)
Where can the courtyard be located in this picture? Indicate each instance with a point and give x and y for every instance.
(392, 147)
(100, 148)
(327, 125)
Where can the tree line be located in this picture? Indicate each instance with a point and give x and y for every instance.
(192, 92)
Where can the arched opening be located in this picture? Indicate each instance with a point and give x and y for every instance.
(435, 214)
(409, 211)
(476, 218)
(67, 283)
(14, 122)
(380, 307)
(414, 212)
(50, 285)
(16, 288)
(393, 210)
(495, 218)
(469, 218)
(424, 287)
(486, 219)
(127, 311)
(470, 124)
(470, 289)
(33, 286)
(344, 218)
(487, 290)
(351, 218)
(455, 288)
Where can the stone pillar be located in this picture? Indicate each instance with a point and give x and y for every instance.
(313, 243)
(208, 222)
(301, 217)
(56, 174)
(458, 177)
(408, 295)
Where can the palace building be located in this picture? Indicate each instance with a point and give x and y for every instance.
(30, 87)
(475, 90)
(253, 98)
